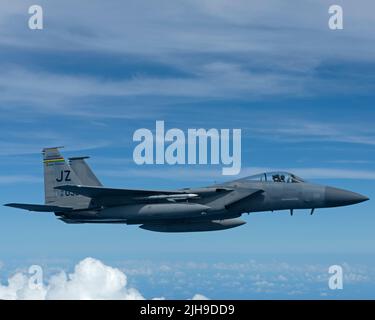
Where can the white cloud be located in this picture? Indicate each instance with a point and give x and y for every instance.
(199, 297)
(90, 280)
(282, 278)
(264, 286)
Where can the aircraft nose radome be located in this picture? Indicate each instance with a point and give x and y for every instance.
(339, 197)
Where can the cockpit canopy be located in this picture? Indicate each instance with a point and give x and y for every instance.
(284, 177)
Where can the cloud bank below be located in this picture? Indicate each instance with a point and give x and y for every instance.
(91, 280)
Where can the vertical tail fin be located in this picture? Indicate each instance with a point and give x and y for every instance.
(84, 172)
(58, 173)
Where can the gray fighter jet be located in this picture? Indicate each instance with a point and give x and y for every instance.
(75, 195)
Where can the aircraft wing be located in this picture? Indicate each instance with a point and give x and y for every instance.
(242, 194)
(113, 196)
(38, 207)
(100, 192)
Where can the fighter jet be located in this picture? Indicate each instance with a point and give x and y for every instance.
(75, 195)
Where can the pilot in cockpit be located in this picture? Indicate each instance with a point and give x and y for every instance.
(278, 178)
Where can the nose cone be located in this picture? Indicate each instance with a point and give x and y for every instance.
(339, 197)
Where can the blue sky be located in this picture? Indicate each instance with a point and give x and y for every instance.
(302, 94)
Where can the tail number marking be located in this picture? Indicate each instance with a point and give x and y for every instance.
(64, 176)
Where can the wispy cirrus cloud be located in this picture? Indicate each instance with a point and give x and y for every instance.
(291, 129)
(220, 51)
(214, 80)
(15, 179)
(208, 174)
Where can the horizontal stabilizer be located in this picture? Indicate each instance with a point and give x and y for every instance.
(38, 207)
